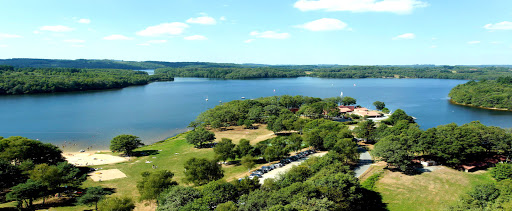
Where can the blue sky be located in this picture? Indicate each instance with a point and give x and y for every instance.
(353, 32)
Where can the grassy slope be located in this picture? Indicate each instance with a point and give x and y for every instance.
(175, 152)
(428, 191)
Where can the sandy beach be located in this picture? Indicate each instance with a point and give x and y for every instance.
(92, 158)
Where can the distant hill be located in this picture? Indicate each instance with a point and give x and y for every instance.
(105, 64)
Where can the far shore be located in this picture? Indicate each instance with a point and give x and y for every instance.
(481, 107)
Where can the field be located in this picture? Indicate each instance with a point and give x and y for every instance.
(428, 191)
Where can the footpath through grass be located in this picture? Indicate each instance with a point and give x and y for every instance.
(428, 191)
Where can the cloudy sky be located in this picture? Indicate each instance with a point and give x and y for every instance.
(363, 32)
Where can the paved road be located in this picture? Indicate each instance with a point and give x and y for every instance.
(365, 160)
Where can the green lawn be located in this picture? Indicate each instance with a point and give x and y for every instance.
(173, 155)
(428, 191)
(170, 155)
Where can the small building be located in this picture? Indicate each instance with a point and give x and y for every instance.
(346, 109)
(364, 112)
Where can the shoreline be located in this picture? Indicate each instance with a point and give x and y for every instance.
(480, 107)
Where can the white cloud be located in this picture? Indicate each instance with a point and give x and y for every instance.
(474, 42)
(78, 46)
(324, 24)
(5, 36)
(202, 20)
(174, 28)
(84, 20)
(393, 6)
(58, 28)
(36, 32)
(3, 46)
(117, 37)
(249, 41)
(222, 18)
(434, 46)
(195, 37)
(270, 35)
(74, 41)
(505, 25)
(496, 42)
(406, 36)
(144, 44)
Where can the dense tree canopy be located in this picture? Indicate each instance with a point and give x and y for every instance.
(449, 144)
(485, 93)
(49, 80)
(200, 171)
(154, 183)
(17, 149)
(200, 136)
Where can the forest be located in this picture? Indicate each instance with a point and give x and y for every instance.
(28, 80)
(485, 93)
(232, 72)
(438, 72)
(250, 71)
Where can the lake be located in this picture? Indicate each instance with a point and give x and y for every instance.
(163, 109)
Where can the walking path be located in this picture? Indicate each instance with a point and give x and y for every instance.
(365, 160)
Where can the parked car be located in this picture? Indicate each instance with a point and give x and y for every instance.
(256, 175)
(258, 172)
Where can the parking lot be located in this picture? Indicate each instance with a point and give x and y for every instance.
(274, 170)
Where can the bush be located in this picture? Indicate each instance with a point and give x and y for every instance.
(116, 204)
(369, 183)
(502, 171)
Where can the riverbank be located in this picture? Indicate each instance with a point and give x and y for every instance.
(480, 107)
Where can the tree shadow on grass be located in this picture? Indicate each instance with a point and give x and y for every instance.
(143, 153)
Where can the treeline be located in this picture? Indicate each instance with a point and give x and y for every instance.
(232, 72)
(450, 144)
(485, 93)
(48, 80)
(439, 72)
(248, 71)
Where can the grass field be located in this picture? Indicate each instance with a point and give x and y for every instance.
(428, 191)
(237, 133)
(171, 155)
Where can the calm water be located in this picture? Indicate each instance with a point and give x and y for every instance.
(163, 109)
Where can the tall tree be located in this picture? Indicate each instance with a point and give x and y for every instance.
(348, 101)
(366, 130)
(154, 183)
(243, 148)
(224, 150)
(125, 143)
(201, 171)
(200, 136)
(26, 193)
(379, 105)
